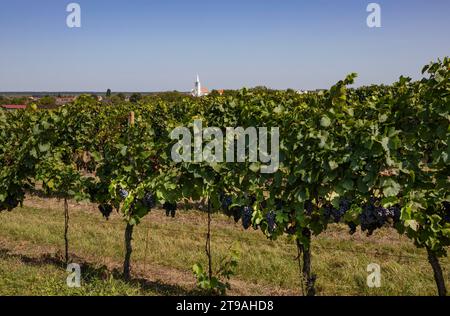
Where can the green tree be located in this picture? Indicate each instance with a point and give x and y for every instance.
(47, 102)
(19, 100)
(121, 96)
(135, 97)
(214, 93)
(3, 100)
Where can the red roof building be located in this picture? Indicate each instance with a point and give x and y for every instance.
(14, 106)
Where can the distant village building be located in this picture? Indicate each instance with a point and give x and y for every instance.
(199, 91)
(64, 100)
(14, 106)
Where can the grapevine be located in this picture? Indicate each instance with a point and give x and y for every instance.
(370, 158)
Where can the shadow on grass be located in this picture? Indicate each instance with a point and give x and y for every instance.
(93, 272)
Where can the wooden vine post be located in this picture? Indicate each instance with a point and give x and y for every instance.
(128, 251)
(131, 119)
(437, 270)
(208, 242)
(128, 229)
(308, 279)
(66, 230)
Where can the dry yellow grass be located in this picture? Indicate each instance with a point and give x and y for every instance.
(165, 250)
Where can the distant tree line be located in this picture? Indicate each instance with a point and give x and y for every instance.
(111, 98)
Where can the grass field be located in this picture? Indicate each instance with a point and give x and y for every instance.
(31, 244)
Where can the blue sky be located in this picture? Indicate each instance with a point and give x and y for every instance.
(154, 45)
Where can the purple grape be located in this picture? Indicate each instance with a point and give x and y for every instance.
(148, 200)
(374, 217)
(106, 210)
(395, 212)
(309, 207)
(331, 213)
(352, 226)
(292, 230)
(247, 214)
(11, 202)
(170, 208)
(278, 204)
(237, 213)
(271, 225)
(123, 194)
(226, 202)
(447, 212)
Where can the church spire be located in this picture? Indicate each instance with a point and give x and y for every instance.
(198, 91)
(198, 87)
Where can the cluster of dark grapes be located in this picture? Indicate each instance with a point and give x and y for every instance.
(148, 200)
(447, 212)
(374, 217)
(278, 204)
(446, 206)
(244, 213)
(291, 230)
(337, 214)
(327, 211)
(271, 219)
(247, 214)
(123, 194)
(170, 208)
(9, 204)
(309, 207)
(226, 201)
(352, 226)
(395, 213)
(271, 225)
(236, 213)
(106, 210)
(447, 218)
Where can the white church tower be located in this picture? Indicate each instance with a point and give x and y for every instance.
(198, 87)
(198, 91)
